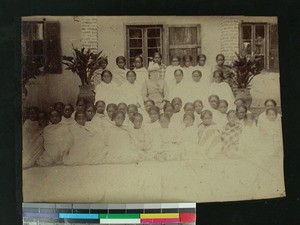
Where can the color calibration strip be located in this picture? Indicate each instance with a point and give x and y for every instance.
(179, 213)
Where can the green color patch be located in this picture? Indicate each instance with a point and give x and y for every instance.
(119, 216)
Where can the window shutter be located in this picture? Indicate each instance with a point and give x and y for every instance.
(52, 48)
(273, 48)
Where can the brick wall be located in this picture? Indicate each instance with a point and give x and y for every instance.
(229, 37)
(89, 32)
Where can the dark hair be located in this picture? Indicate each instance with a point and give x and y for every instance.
(185, 57)
(191, 115)
(93, 106)
(122, 103)
(219, 56)
(70, 106)
(59, 103)
(240, 100)
(137, 115)
(178, 70)
(271, 100)
(168, 104)
(197, 101)
(155, 108)
(203, 113)
(231, 111)
(138, 57)
(120, 58)
(100, 101)
(220, 73)
(77, 113)
(106, 71)
(177, 99)
(242, 106)
(79, 100)
(117, 113)
(198, 71)
(149, 100)
(44, 113)
(201, 56)
(177, 57)
(104, 59)
(164, 115)
(223, 101)
(132, 106)
(157, 53)
(36, 110)
(53, 110)
(112, 105)
(188, 103)
(130, 71)
(213, 96)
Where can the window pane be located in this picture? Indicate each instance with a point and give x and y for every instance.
(131, 63)
(260, 31)
(183, 35)
(153, 32)
(154, 42)
(135, 52)
(37, 47)
(135, 43)
(135, 33)
(246, 32)
(261, 61)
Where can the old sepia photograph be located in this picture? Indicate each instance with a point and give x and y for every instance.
(143, 109)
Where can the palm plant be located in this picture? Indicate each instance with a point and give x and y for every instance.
(245, 69)
(83, 63)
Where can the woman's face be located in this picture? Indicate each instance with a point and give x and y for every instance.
(137, 122)
(55, 117)
(198, 107)
(241, 113)
(177, 105)
(119, 119)
(131, 111)
(270, 105)
(100, 107)
(121, 64)
(81, 119)
(196, 76)
(188, 62)
(220, 61)
(189, 109)
(164, 122)
(169, 110)
(223, 107)
(157, 59)
(232, 118)
(188, 121)
(110, 112)
(138, 63)
(175, 62)
(148, 106)
(103, 65)
(90, 113)
(131, 77)
(178, 76)
(271, 115)
(214, 102)
(207, 119)
(202, 61)
(217, 77)
(153, 115)
(106, 78)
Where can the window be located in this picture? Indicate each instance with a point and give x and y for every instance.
(144, 41)
(261, 41)
(41, 44)
(184, 40)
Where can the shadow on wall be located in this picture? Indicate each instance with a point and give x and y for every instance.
(46, 90)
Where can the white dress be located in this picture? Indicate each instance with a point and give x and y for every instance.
(141, 76)
(206, 72)
(198, 91)
(188, 71)
(169, 75)
(130, 94)
(179, 90)
(107, 93)
(119, 76)
(224, 91)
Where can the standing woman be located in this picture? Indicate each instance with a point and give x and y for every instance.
(155, 88)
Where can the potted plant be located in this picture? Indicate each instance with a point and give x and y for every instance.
(245, 68)
(84, 63)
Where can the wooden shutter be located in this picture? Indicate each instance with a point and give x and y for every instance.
(52, 48)
(273, 48)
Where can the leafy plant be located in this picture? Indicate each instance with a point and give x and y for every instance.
(83, 63)
(245, 68)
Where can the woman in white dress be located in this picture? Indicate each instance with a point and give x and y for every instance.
(188, 67)
(107, 89)
(205, 69)
(175, 64)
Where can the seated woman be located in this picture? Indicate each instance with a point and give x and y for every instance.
(231, 135)
(87, 144)
(129, 91)
(222, 89)
(67, 115)
(209, 138)
(269, 103)
(140, 136)
(241, 112)
(33, 143)
(196, 88)
(106, 90)
(57, 141)
(178, 111)
(145, 110)
(155, 88)
(188, 67)
(96, 77)
(118, 145)
(140, 71)
(107, 121)
(167, 146)
(198, 106)
(178, 87)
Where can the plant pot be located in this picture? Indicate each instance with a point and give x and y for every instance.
(244, 93)
(87, 93)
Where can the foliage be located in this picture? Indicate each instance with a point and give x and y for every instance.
(83, 63)
(245, 68)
